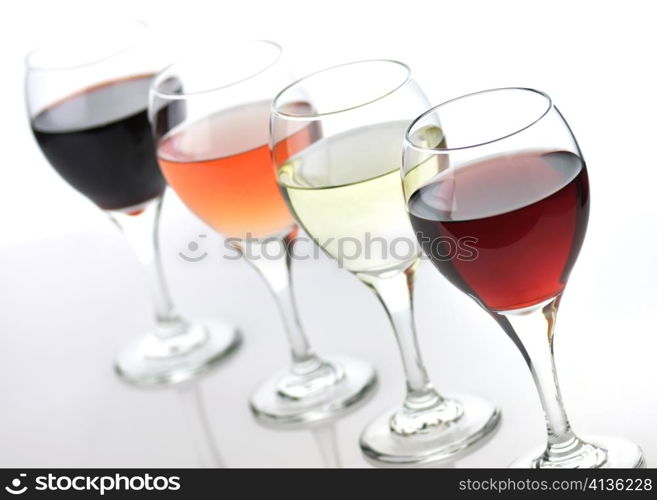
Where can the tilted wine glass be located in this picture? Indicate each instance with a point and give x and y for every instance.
(501, 172)
(344, 190)
(87, 98)
(210, 115)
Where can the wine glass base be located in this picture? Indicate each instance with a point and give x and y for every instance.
(274, 410)
(149, 362)
(621, 454)
(384, 447)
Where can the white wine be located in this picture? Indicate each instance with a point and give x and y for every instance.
(346, 192)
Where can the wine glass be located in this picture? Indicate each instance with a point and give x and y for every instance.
(497, 191)
(210, 116)
(87, 98)
(344, 191)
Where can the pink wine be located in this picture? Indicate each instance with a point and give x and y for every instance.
(525, 215)
(222, 169)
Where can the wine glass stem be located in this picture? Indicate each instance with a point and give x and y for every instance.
(396, 294)
(142, 232)
(272, 258)
(533, 332)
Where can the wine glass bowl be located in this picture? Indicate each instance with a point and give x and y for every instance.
(87, 104)
(498, 195)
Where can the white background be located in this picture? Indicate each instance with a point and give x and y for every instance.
(71, 294)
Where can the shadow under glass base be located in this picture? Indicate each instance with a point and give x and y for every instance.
(353, 386)
(604, 453)
(382, 446)
(197, 348)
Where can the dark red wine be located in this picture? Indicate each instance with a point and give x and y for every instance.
(525, 216)
(99, 141)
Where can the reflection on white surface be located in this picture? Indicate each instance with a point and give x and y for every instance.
(198, 426)
(327, 442)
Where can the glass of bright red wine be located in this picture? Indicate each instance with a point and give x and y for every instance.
(499, 173)
(87, 98)
(210, 115)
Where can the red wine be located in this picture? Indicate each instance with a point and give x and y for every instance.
(99, 140)
(525, 216)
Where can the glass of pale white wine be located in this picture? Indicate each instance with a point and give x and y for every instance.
(344, 189)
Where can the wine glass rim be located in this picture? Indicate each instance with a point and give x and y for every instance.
(438, 149)
(316, 116)
(140, 24)
(183, 95)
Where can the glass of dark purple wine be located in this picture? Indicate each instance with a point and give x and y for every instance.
(87, 98)
(498, 195)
